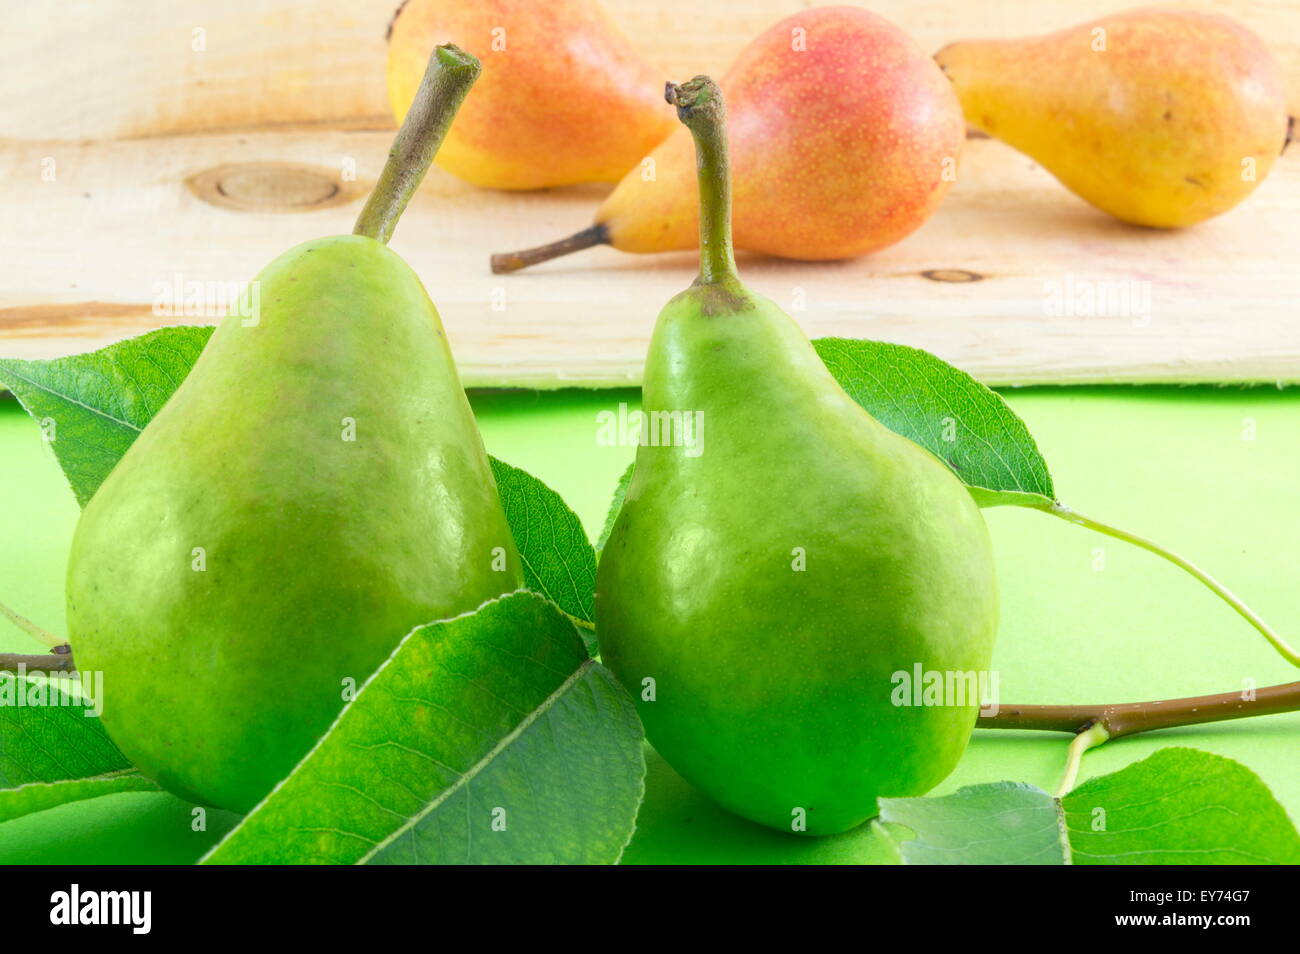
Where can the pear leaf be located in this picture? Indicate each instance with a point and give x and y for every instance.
(1003, 823)
(47, 733)
(1178, 806)
(488, 738)
(38, 796)
(91, 406)
(558, 559)
(945, 410)
(52, 750)
(620, 493)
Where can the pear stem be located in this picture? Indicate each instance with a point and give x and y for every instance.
(448, 77)
(1284, 648)
(503, 262)
(1089, 738)
(31, 629)
(701, 109)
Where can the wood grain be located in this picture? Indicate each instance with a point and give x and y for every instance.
(1214, 303)
(131, 162)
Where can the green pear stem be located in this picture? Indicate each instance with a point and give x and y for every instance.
(1245, 612)
(31, 629)
(1089, 738)
(450, 74)
(701, 109)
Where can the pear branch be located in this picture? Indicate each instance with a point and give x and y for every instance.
(701, 109)
(1281, 645)
(1130, 718)
(450, 74)
(54, 661)
(1094, 725)
(59, 658)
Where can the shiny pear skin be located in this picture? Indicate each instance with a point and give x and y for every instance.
(1161, 117)
(842, 144)
(765, 683)
(246, 563)
(845, 138)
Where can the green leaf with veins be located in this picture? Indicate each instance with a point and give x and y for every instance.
(1003, 823)
(52, 752)
(48, 741)
(1178, 806)
(489, 738)
(963, 423)
(558, 559)
(620, 492)
(38, 796)
(99, 401)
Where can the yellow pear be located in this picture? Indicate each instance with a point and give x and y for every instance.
(1161, 117)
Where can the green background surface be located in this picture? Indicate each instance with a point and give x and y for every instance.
(1209, 472)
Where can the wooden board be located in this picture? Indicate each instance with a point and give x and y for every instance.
(148, 190)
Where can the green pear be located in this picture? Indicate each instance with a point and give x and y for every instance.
(780, 562)
(313, 490)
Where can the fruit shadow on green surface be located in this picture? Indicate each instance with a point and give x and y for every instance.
(680, 825)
